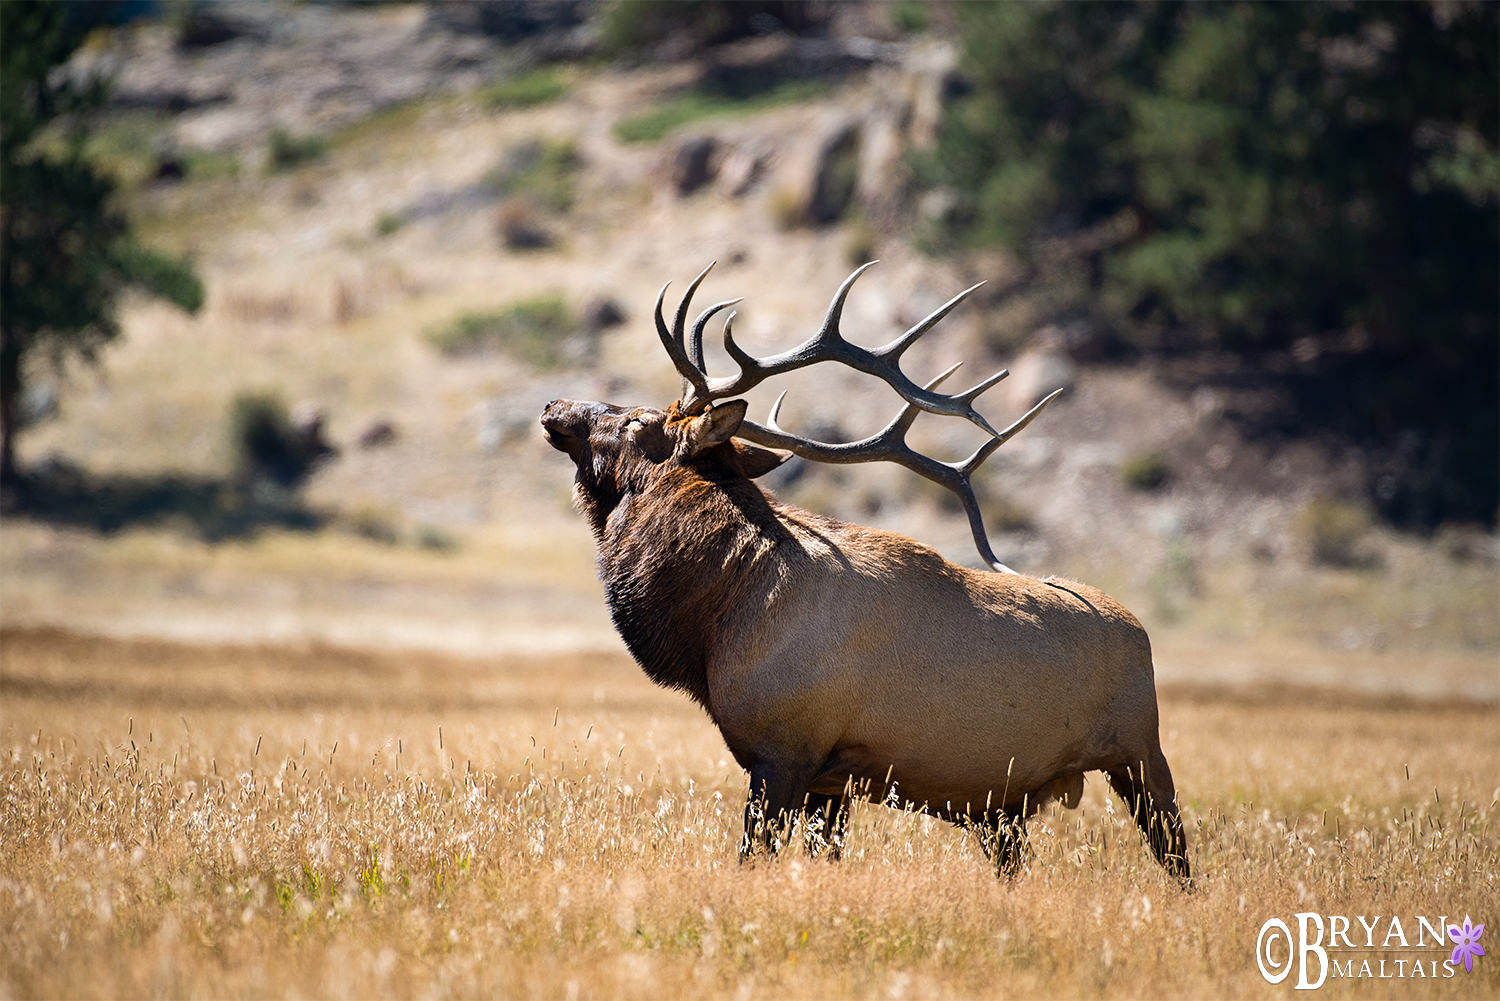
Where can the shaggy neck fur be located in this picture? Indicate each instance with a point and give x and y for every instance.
(680, 552)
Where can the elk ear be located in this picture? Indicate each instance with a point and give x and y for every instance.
(716, 426)
(756, 461)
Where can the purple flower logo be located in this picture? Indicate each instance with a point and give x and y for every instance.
(1468, 945)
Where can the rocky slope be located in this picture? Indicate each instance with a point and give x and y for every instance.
(327, 279)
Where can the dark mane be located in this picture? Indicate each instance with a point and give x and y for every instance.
(679, 557)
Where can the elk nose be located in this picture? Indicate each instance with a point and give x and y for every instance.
(557, 422)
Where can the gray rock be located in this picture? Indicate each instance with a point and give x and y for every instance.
(692, 163)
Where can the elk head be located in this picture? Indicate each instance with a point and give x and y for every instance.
(617, 448)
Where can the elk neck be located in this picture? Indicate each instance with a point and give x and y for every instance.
(681, 558)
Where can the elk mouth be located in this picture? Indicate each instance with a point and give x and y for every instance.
(566, 424)
(555, 428)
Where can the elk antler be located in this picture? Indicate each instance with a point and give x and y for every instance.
(890, 444)
(828, 344)
(699, 390)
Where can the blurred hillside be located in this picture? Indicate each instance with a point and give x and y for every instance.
(423, 221)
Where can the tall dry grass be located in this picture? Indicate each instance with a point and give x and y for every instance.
(253, 822)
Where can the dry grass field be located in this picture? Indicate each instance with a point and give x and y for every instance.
(258, 822)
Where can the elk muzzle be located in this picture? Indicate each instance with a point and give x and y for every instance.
(567, 423)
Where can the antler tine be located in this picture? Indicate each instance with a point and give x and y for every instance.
(970, 395)
(680, 320)
(1026, 418)
(890, 444)
(695, 339)
(745, 361)
(694, 385)
(786, 440)
(829, 331)
(976, 528)
(692, 377)
(966, 471)
(827, 344)
(896, 348)
(661, 321)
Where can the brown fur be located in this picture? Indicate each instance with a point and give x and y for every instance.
(840, 660)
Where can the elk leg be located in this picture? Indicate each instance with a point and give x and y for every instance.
(770, 810)
(1148, 791)
(827, 822)
(1002, 836)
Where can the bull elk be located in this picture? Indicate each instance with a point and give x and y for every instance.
(840, 661)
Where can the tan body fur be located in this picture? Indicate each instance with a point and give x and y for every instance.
(968, 686)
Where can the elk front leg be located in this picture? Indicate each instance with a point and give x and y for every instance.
(776, 796)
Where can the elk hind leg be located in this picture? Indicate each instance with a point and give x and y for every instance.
(1147, 789)
(825, 823)
(776, 797)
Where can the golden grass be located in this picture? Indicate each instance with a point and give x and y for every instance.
(231, 822)
(524, 554)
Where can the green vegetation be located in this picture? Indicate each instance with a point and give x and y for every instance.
(532, 330)
(206, 165)
(1334, 532)
(1144, 471)
(786, 208)
(541, 168)
(285, 151)
(434, 538)
(635, 30)
(66, 251)
(1243, 175)
(695, 105)
(125, 146)
(267, 445)
(536, 87)
(377, 129)
(909, 16)
(389, 222)
(374, 522)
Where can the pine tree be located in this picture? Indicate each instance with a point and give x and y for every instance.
(67, 251)
(1242, 175)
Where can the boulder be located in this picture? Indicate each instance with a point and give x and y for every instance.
(692, 163)
(1039, 370)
